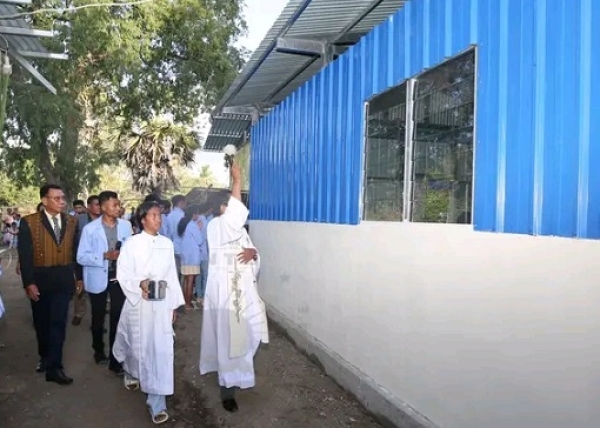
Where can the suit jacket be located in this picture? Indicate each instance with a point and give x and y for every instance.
(37, 257)
(90, 255)
(82, 220)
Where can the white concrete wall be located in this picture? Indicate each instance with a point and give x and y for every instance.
(471, 329)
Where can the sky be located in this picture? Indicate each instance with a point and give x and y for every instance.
(260, 16)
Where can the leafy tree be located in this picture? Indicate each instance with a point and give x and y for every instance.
(25, 198)
(134, 62)
(118, 179)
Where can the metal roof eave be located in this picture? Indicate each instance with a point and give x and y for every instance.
(23, 42)
(272, 73)
(227, 128)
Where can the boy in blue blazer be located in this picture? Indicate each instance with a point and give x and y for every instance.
(98, 252)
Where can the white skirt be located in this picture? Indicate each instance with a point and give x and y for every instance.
(190, 270)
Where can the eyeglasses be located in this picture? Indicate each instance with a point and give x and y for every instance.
(57, 198)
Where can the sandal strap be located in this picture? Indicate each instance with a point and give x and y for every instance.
(160, 417)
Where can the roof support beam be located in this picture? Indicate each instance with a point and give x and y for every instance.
(43, 55)
(310, 48)
(24, 2)
(237, 110)
(301, 47)
(25, 32)
(32, 70)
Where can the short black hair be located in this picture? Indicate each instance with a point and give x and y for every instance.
(189, 214)
(106, 195)
(217, 199)
(205, 207)
(46, 188)
(78, 202)
(152, 197)
(142, 211)
(177, 199)
(92, 198)
(166, 204)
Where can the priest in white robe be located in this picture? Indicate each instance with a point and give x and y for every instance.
(144, 342)
(234, 321)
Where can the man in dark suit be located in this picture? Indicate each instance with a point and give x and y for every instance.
(47, 252)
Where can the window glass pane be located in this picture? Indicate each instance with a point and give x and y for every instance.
(443, 142)
(385, 150)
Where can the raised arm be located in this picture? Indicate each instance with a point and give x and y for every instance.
(236, 181)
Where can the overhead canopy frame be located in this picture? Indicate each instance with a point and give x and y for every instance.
(305, 38)
(22, 42)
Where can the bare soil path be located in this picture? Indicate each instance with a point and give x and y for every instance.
(291, 391)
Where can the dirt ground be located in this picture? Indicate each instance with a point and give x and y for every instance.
(291, 391)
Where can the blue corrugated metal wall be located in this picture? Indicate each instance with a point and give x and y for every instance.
(538, 130)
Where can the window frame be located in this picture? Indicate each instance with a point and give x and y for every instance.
(409, 161)
(365, 153)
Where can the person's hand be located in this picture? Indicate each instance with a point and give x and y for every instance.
(247, 255)
(236, 172)
(78, 287)
(32, 292)
(112, 255)
(174, 317)
(144, 287)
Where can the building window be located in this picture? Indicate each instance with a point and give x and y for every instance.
(385, 156)
(435, 150)
(443, 142)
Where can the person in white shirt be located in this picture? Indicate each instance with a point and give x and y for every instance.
(234, 322)
(144, 345)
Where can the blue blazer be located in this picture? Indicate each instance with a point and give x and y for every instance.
(90, 254)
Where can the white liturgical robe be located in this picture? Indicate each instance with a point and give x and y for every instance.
(234, 321)
(144, 341)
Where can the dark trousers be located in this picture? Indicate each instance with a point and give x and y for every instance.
(98, 304)
(50, 314)
(228, 393)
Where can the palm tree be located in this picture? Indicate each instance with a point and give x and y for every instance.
(151, 151)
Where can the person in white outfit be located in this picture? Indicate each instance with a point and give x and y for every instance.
(148, 276)
(234, 321)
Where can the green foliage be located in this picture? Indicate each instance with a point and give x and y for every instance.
(118, 179)
(25, 198)
(131, 62)
(437, 203)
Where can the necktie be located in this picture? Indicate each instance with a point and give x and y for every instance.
(56, 228)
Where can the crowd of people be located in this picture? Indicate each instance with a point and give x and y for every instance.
(144, 268)
(10, 227)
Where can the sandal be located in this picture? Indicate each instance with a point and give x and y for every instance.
(131, 384)
(160, 418)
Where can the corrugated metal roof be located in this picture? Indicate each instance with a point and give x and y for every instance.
(322, 20)
(270, 76)
(227, 129)
(15, 42)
